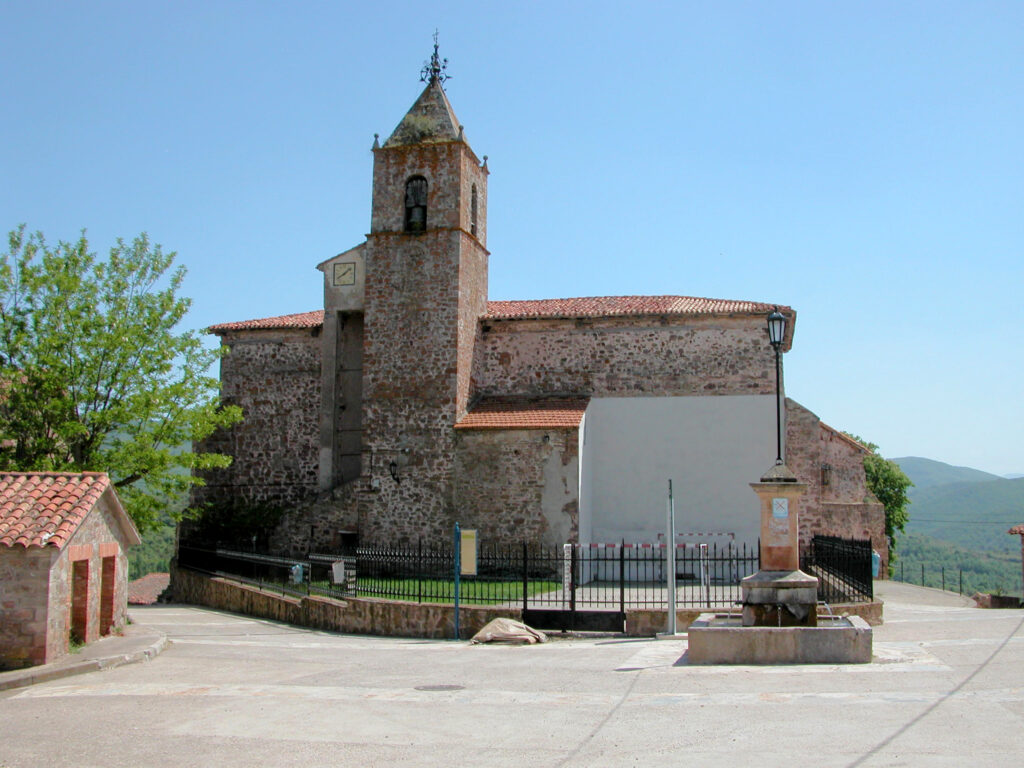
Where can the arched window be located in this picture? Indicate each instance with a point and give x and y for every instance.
(472, 211)
(416, 204)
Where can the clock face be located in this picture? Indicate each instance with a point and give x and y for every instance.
(345, 273)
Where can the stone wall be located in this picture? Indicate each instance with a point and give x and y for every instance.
(98, 537)
(403, 619)
(357, 615)
(626, 357)
(274, 375)
(24, 588)
(416, 364)
(518, 485)
(323, 525)
(844, 507)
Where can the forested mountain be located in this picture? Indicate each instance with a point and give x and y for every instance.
(925, 473)
(965, 507)
(154, 554)
(940, 564)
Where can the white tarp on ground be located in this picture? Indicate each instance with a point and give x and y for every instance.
(508, 631)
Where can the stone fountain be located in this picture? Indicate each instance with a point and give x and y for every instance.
(780, 622)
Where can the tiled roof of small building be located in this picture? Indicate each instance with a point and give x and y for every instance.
(525, 413)
(612, 306)
(312, 319)
(45, 508)
(1017, 530)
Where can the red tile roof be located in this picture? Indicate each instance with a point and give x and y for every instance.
(312, 319)
(147, 590)
(525, 413)
(1017, 529)
(590, 306)
(614, 306)
(45, 508)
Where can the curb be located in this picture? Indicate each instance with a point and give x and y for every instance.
(58, 670)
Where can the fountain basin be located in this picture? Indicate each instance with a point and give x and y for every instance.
(719, 638)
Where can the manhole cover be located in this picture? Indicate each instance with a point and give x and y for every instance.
(440, 687)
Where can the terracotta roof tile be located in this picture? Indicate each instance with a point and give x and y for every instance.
(587, 306)
(147, 590)
(312, 319)
(1017, 529)
(614, 306)
(525, 413)
(45, 508)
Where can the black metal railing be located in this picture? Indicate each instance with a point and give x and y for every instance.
(623, 575)
(330, 575)
(426, 574)
(567, 577)
(843, 568)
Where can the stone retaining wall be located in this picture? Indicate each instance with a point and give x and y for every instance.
(403, 619)
(355, 615)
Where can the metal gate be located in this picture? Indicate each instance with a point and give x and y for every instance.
(592, 595)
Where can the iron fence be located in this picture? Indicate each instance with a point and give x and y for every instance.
(425, 574)
(588, 577)
(843, 568)
(988, 574)
(621, 576)
(329, 575)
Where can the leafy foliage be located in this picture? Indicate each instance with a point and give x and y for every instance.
(154, 554)
(95, 376)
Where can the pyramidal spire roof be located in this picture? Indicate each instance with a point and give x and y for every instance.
(431, 119)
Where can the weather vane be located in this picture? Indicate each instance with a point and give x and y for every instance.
(434, 70)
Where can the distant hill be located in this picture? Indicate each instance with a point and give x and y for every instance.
(958, 521)
(926, 473)
(971, 515)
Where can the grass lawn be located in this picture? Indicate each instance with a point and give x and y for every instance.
(443, 590)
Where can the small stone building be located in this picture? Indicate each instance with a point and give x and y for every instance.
(63, 567)
(411, 401)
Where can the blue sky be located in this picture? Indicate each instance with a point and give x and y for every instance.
(861, 162)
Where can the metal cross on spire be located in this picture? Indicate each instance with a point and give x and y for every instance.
(434, 70)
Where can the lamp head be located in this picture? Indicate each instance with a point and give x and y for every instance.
(776, 328)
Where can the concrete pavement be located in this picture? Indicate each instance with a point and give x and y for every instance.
(136, 643)
(946, 687)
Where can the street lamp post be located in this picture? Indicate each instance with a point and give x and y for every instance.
(776, 333)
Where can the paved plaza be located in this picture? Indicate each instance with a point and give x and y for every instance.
(946, 688)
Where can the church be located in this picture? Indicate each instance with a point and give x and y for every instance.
(410, 402)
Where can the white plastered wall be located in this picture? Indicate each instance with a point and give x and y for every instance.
(712, 448)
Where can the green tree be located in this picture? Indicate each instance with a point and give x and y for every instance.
(890, 485)
(96, 376)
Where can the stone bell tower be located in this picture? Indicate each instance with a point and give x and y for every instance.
(426, 287)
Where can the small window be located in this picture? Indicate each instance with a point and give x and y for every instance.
(472, 211)
(416, 204)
